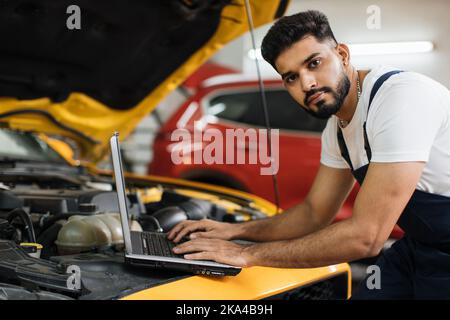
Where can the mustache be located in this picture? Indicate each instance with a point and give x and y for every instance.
(314, 91)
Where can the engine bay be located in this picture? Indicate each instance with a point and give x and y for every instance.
(45, 228)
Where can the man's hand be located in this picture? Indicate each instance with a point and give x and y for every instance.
(202, 229)
(217, 250)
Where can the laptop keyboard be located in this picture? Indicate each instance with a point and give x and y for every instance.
(157, 244)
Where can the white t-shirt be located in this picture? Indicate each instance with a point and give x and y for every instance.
(409, 120)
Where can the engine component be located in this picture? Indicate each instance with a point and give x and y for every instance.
(6, 230)
(87, 207)
(61, 201)
(12, 292)
(150, 223)
(77, 236)
(169, 217)
(16, 265)
(9, 201)
(33, 249)
(195, 209)
(106, 276)
(87, 233)
(48, 238)
(192, 209)
(26, 220)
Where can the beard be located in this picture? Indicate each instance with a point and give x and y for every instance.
(326, 110)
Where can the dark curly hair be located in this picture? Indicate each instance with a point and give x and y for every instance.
(290, 29)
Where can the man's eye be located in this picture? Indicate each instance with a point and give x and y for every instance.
(314, 63)
(291, 78)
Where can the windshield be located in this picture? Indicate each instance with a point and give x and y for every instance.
(22, 146)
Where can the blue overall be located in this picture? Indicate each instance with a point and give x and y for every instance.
(418, 265)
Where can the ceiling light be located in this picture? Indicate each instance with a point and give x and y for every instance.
(384, 48)
(381, 48)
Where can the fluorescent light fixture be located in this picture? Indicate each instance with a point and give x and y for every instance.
(384, 48)
(381, 48)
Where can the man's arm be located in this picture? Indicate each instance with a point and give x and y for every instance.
(384, 194)
(329, 190)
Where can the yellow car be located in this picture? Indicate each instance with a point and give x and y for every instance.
(80, 81)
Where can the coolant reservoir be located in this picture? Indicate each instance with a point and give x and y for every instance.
(76, 236)
(114, 225)
(86, 233)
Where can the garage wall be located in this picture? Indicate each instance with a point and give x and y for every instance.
(401, 20)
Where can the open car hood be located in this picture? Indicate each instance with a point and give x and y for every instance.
(86, 83)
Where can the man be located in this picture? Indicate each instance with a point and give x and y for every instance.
(387, 129)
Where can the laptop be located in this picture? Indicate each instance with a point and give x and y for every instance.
(153, 249)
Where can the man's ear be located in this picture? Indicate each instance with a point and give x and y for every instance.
(344, 53)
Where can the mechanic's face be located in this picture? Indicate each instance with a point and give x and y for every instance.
(314, 75)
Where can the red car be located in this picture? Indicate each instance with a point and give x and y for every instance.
(233, 101)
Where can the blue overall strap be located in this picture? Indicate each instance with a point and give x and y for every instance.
(374, 91)
(343, 147)
(340, 137)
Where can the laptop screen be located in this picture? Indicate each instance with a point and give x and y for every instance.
(120, 186)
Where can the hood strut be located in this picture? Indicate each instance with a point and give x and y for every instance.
(264, 105)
